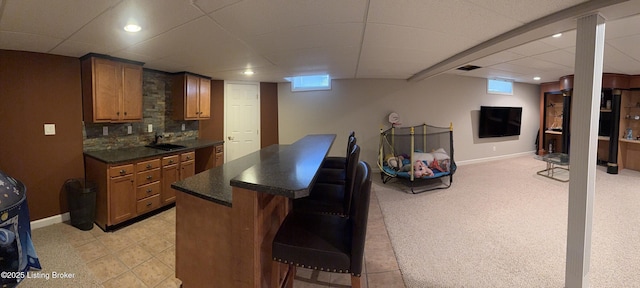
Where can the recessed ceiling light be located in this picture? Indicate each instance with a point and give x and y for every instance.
(132, 28)
(248, 72)
(557, 35)
(536, 78)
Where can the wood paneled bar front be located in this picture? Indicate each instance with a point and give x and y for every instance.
(226, 217)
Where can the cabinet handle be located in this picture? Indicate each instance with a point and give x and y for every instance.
(170, 161)
(125, 113)
(118, 113)
(149, 177)
(188, 157)
(122, 171)
(149, 204)
(149, 166)
(149, 190)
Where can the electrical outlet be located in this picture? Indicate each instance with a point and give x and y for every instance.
(183, 127)
(49, 129)
(150, 128)
(105, 130)
(494, 148)
(129, 129)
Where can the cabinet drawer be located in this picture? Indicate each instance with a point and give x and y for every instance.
(187, 156)
(148, 165)
(148, 190)
(219, 149)
(121, 170)
(170, 160)
(148, 204)
(146, 177)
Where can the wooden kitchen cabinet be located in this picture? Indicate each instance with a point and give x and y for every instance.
(170, 174)
(122, 197)
(191, 97)
(219, 160)
(147, 178)
(111, 89)
(187, 165)
(130, 189)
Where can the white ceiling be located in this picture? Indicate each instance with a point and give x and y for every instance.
(345, 38)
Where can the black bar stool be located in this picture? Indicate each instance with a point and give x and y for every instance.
(325, 242)
(331, 198)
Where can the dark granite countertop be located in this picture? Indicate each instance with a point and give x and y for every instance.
(291, 172)
(128, 154)
(213, 184)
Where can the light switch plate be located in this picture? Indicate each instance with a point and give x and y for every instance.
(150, 128)
(49, 129)
(105, 130)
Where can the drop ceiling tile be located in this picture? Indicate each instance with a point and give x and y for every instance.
(533, 48)
(211, 6)
(201, 39)
(525, 10)
(560, 57)
(79, 49)
(269, 16)
(437, 15)
(568, 39)
(326, 35)
(154, 16)
(500, 57)
(58, 19)
(417, 48)
(622, 27)
(618, 62)
(27, 42)
(627, 45)
(338, 62)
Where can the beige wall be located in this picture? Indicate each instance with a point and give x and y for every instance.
(363, 106)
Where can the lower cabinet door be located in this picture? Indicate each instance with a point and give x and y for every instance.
(122, 199)
(170, 174)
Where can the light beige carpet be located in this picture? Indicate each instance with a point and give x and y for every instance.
(501, 225)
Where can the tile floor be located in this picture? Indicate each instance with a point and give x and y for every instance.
(143, 255)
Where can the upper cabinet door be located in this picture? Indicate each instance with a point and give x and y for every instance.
(204, 103)
(191, 97)
(105, 90)
(111, 90)
(131, 92)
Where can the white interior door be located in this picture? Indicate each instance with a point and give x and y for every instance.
(242, 120)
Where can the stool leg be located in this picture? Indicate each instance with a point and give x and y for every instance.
(292, 275)
(355, 281)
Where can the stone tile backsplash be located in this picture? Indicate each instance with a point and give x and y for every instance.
(157, 110)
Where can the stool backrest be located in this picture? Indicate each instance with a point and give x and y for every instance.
(359, 214)
(352, 141)
(352, 165)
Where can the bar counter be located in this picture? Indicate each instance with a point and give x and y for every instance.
(227, 216)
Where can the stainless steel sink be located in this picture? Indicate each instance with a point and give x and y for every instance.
(166, 146)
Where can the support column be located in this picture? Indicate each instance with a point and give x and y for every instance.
(584, 144)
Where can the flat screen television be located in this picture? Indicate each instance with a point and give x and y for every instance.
(499, 121)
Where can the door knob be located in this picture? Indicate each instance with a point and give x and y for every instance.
(230, 138)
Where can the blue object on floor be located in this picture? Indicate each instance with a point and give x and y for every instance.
(17, 253)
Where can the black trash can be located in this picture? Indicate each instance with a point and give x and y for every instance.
(81, 194)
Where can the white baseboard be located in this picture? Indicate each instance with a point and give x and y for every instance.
(501, 157)
(50, 221)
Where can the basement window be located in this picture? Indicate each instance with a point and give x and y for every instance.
(499, 86)
(310, 82)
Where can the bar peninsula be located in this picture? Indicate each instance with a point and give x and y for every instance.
(226, 217)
